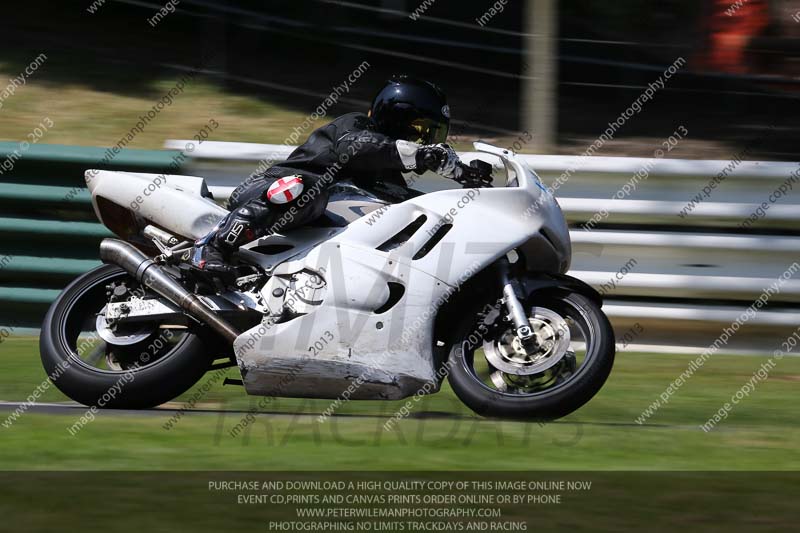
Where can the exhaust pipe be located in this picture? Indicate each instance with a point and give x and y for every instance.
(152, 276)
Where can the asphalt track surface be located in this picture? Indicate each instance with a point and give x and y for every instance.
(70, 408)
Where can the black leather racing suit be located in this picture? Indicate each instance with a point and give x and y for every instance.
(347, 148)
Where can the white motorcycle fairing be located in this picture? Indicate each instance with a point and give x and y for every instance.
(176, 203)
(361, 339)
(368, 328)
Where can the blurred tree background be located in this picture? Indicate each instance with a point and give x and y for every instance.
(267, 65)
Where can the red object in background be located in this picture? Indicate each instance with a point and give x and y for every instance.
(729, 27)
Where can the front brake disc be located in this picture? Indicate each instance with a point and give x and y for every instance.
(508, 354)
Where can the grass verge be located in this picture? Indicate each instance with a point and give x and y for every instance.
(760, 434)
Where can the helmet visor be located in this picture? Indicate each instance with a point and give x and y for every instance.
(427, 131)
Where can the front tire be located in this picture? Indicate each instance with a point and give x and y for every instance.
(136, 376)
(555, 392)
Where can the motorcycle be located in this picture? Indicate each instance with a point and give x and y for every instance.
(379, 299)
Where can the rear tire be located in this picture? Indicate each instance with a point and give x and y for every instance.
(555, 402)
(136, 388)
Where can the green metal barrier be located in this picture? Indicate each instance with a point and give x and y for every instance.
(28, 227)
(48, 231)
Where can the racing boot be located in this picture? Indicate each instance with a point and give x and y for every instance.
(212, 253)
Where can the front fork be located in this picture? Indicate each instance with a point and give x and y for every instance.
(516, 311)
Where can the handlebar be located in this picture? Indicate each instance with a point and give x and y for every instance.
(478, 174)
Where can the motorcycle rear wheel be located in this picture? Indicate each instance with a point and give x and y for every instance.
(553, 393)
(159, 363)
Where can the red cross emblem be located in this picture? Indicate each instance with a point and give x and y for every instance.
(285, 189)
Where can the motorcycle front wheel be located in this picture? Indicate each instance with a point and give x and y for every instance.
(140, 367)
(560, 370)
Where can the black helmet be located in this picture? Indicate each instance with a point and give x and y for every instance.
(413, 110)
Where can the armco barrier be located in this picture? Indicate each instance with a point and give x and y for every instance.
(48, 232)
(693, 275)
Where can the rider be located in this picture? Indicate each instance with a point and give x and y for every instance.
(405, 130)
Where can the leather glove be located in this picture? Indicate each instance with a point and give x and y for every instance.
(438, 158)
